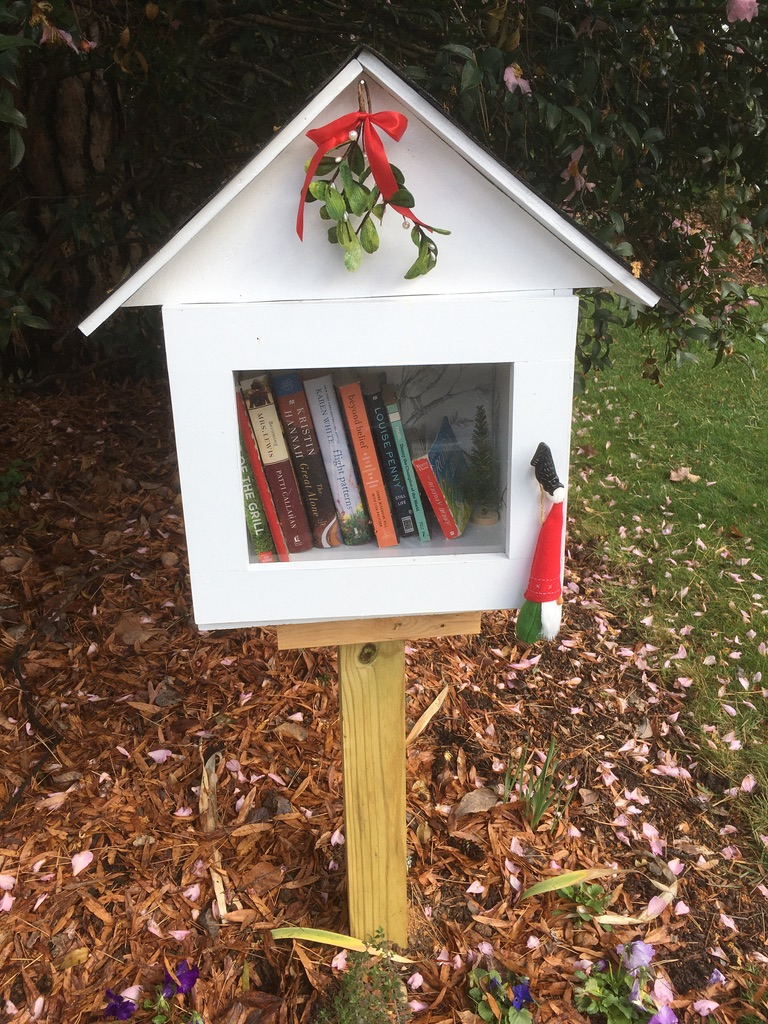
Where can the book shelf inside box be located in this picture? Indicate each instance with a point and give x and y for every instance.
(425, 395)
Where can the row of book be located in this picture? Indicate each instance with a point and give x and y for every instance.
(325, 461)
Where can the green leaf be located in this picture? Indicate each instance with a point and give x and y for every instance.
(653, 135)
(345, 235)
(333, 237)
(459, 50)
(318, 189)
(355, 195)
(335, 203)
(326, 165)
(378, 210)
(356, 159)
(553, 116)
(15, 42)
(632, 132)
(398, 174)
(328, 938)
(369, 236)
(471, 77)
(12, 116)
(17, 147)
(353, 257)
(580, 116)
(566, 879)
(35, 321)
(402, 198)
(425, 261)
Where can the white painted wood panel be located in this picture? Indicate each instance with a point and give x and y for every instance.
(242, 246)
(206, 344)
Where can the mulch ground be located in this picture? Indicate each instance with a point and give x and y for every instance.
(113, 705)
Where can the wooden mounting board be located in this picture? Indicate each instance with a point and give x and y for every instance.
(358, 631)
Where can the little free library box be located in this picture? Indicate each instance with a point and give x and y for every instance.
(326, 397)
(492, 325)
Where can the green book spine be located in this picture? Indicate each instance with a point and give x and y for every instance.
(404, 454)
(255, 519)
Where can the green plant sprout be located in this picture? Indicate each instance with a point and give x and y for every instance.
(11, 481)
(370, 990)
(589, 901)
(538, 792)
(499, 1000)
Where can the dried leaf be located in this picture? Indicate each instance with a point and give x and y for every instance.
(476, 802)
(291, 730)
(683, 473)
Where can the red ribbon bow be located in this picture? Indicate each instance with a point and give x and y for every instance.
(335, 133)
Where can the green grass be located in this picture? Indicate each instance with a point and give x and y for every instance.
(690, 558)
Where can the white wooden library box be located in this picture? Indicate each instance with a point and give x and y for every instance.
(495, 322)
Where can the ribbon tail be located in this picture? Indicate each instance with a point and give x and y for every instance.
(377, 158)
(405, 212)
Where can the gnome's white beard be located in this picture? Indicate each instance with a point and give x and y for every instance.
(551, 616)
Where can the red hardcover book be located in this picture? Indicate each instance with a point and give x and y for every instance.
(442, 472)
(265, 421)
(270, 511)
(369, 470)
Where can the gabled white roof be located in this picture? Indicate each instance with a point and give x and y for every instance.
(242, 246)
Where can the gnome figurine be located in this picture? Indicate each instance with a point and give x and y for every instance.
(541, 612)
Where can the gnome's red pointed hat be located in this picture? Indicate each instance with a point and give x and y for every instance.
(541, 612)
(544, 583)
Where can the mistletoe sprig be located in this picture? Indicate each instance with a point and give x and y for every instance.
(352, 179)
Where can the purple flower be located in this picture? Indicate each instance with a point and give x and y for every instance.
(118, 1006)
(636, 955)
(666, 1015)
(184, 982)
(521, 994)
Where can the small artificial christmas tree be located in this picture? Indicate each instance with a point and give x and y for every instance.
(483, 473)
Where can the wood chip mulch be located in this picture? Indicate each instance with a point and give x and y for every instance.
(114, 709)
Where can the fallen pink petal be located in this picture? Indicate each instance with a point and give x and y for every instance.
(160, 756)
(705, 1006)
(81, 861)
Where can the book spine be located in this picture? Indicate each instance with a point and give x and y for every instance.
(435, 496)
(255, 518)
(270, 512)
(265, 421)
(384, 439)
(404, 454)
(337, 459)
(371, 477)
(301, 439)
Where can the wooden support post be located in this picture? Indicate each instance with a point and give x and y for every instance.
(372, 689)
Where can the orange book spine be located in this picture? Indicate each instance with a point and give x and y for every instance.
(371, 478)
